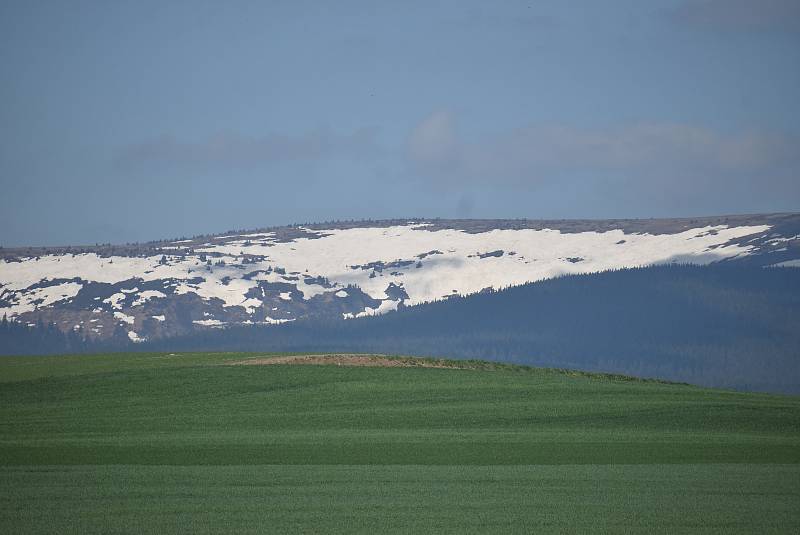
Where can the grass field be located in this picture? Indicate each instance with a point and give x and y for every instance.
(185, 443)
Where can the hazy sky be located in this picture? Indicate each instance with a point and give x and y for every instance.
(124, 121)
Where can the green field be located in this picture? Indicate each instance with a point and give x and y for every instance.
(166, 443)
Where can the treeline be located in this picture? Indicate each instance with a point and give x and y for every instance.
(47, 339)
(721, 325)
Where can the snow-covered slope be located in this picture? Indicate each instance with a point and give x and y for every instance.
(350, 270)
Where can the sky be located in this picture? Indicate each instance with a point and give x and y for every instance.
(131, 121)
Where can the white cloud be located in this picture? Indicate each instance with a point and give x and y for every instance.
(433, 141)
(539, 152)
(232, 149)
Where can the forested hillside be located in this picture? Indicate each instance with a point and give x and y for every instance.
(722, 325)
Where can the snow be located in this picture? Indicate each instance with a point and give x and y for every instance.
(124, 317)
(251, 305)
(209, 322)
(276, 321)
(539, 254)
(309, 290)
(385, 306)
(48, 295)
(145, 295)
(781, 239)
(788, 263)
(135, 337)
(114, 300)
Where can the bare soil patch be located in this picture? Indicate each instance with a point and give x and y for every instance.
(377, 361)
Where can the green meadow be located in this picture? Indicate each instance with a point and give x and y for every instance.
(187, 443)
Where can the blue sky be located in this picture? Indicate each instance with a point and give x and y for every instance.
(129, 121)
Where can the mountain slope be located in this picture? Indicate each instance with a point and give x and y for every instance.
(728, 324)
(346, 270)
(722, 325)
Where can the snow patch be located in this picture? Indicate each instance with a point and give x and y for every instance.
(788, 263)
(135, 337)
(251, 305)
(39, 297)
(273, 321)
(385, 306)
(124, 317)
(114, 300)
(209, 322)
(144, 296)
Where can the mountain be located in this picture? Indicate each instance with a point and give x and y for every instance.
(726, 325)
(346, 270)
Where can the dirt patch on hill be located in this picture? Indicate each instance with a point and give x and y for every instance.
(376, 361)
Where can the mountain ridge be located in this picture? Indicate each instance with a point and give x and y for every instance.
(353, 268)
(564, 224)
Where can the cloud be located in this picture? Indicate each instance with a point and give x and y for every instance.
(433, 142)
(542, 153)
(733, 15)
(235, 150)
